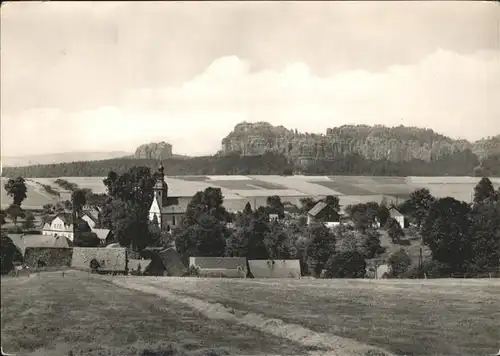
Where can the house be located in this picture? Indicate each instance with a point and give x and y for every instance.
(273, 217)
(165, 210)
(102, 234)
(61, 225)
(164, 262)
(396, 215)
(138, 266)
(323, 213)
(275, 268)
(24, 241)
(229, 267)
(91, 216)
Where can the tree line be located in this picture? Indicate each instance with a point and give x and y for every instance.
(462, 163)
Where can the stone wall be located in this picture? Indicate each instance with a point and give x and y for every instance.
(110, 259)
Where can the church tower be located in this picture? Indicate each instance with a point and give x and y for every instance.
(161, 188)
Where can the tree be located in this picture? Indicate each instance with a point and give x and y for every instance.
(371, 244)
(320, 248)
(275, 206)
(248, 239)
(2, 217)
(348, 264)
(129, 225)
(126, 210)
(79, 199)
(333, 202)
(483, 190)
(485, 235)
(400, 262)
(445, 231)
(278, 242)
(363, 215)
(307, 204)
(383, 213)
(418, 205)
(16, 188)
(394, 230)
(9, 253)
(15, 212)
(29, 221)
(206, 238)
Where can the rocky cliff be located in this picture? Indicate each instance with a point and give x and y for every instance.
(154, 150)
(373, 142)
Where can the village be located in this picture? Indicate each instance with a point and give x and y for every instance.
(53, 245)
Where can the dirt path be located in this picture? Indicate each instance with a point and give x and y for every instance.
(336, 346)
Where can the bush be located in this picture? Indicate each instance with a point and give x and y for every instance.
(400, 262)
(348, 264)
(194, 271)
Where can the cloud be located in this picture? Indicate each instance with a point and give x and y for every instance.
(451, 93)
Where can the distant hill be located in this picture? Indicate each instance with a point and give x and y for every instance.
(377, 142)
(52, 158)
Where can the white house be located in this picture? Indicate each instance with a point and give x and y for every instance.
(396, 215)
(60, 225)
(165, 210)
(324, 213)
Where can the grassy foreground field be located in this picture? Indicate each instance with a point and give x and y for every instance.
(95, 315)
(405, 317)
(76, 315)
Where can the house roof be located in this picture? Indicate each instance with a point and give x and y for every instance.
(24, 241)
(114, 245)
(394, 212)
(92, 214)
(67, 218)
(219, 262)
(173, 209)
(317, 208)
(169, 257)
(102, 234)
(134, 264)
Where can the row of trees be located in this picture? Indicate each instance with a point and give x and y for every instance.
(461, 163)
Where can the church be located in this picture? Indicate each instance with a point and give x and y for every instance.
(165, 210)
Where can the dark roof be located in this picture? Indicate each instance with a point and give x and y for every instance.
(220, 262)
(317, 208)
(23, 241)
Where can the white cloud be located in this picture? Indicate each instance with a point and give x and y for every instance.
(454, 94)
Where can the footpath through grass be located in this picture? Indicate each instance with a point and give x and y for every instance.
(432, 317)
(77, 315)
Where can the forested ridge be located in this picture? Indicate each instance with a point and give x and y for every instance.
(463, 163)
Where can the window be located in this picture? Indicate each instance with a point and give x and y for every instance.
(173, 220)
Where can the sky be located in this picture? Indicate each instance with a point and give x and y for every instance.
(108, 76)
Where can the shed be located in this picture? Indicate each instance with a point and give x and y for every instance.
(164, 261)
(323, 212)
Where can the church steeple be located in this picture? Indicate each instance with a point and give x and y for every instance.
(161, 188)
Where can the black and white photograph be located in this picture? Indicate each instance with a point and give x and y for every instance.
(250, 178)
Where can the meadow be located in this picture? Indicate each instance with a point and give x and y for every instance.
(82, 314)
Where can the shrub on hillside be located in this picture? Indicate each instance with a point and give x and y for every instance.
(400, 262)
(348, 264)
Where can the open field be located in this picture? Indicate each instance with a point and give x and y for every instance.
(410, 317)
(51, 315)
(353, 189)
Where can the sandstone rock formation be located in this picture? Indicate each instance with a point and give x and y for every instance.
(154, 150)
(373, 142)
